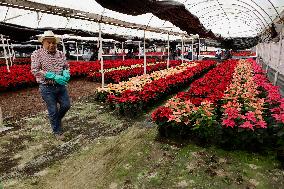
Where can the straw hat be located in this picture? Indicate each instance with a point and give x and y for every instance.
(48, 34)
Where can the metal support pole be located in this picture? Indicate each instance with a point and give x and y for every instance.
(9, 52)
(182, 49)
(145, 71)
(13, 52)
(77, 51)
(5, 53)
(256, 50)
(63, 46)
(266, 69)
(122, 51)
(192, 49)
(114, 48)
(139, 49)
(101, 55)
(199, 46)
(168, 61)
(6, 14)
(37, 18)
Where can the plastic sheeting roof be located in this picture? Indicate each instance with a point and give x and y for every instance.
(235, 18)
(230, 18)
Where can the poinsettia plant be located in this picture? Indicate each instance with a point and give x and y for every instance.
(157, 85)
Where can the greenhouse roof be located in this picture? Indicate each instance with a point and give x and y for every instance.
(234, 18)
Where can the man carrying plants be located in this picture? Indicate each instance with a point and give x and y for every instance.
(51, 70)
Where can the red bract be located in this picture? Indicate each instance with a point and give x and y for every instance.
(161, 114)
(21, 74)
(243, 53)
(16, 61)
(121, 75)
(212, 86)
(18, 75)
(212, 53)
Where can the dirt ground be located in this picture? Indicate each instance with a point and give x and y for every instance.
(27, 102)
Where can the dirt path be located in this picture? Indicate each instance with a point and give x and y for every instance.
(26, 102)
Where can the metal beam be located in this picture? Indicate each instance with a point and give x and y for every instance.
(11, 18)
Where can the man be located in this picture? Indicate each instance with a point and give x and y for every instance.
(51, 70)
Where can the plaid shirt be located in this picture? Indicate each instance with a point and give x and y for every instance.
(42, 61)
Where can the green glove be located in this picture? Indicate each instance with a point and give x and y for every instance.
(60, 80)
(66, 74)
(50, 75)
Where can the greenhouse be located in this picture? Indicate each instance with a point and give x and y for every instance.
(141, 94)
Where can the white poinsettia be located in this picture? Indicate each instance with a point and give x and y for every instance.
(138, 82)
(130, 67)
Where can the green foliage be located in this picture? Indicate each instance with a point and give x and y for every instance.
(101, 96)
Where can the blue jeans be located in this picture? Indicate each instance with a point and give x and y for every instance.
(53, 95)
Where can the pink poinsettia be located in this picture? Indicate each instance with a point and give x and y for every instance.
(247, 125)
(229, 123)
(232, 113)
(262, 124)
(242, 94)
(250, 116)
(273, 95)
